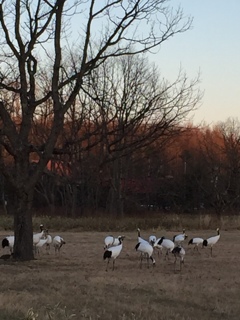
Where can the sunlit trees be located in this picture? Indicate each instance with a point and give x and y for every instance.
(213, 167)
(230, 162)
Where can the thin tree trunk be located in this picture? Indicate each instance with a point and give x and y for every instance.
(73, 202)
(115, 199)
(23, 244)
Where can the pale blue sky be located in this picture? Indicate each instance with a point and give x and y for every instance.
(212, 47)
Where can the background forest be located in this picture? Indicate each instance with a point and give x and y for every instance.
(196, 170)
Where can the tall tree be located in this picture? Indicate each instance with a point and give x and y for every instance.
(34, 38)
(134, 108)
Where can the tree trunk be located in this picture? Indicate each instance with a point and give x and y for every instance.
(23, 229)
(74, 200)
(115, 199)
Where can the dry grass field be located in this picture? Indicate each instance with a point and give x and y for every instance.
(76, 283)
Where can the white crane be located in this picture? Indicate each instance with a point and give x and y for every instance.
(40, 244)
(110, 241)
(178, 239)
(179, 252)
(210, 242)
(58, 242)
(195, 242)
(8, 242)
(112, 253)
(164, 243)
(146, 250)
(152, 240)
(37, 237)
(48, 237)
(48, 242)
(140, 239)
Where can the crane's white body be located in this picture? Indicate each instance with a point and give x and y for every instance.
(40, 244)
(195, 242)
(157, 246)
(38, 236)
(8, 242)
(178, 239)
(48, 243)
(112, 253)
(145, 249)
(167, 244)
(210, 242)
(110, 241)
(179, 253)
(49, 239)
(58, 242)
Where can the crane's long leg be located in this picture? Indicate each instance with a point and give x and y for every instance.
(107, 265)
(181, 262)
(166, 255)
(175, 264)
(153, 261)
(148, 261)
(141, 258)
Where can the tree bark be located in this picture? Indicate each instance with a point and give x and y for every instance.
(23, 244)
(115, 203)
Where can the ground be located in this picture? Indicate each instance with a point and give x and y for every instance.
(75, 282)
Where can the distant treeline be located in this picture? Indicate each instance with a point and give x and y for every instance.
(198, 169)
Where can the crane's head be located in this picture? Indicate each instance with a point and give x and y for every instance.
(63, 241)
(121, 238)
(152, 242)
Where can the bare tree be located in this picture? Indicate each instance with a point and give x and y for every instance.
(133, 108)
(34, 37)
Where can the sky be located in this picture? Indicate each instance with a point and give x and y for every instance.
(211, 47)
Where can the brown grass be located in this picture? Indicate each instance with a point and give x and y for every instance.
(56, 287)
(145, 220)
